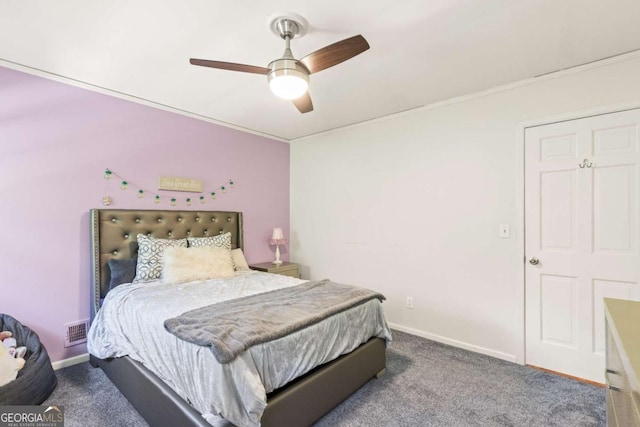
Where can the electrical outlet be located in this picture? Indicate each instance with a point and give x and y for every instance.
(409, 302)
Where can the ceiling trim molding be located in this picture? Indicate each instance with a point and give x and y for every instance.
(440, 104)
(132, 98)
(629, 56)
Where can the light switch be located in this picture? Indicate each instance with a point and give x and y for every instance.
(505, 231)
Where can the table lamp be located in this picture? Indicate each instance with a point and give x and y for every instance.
(277, 238)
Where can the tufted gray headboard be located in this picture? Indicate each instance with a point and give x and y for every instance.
(114, 235)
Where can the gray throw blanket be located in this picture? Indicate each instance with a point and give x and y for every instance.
(231, 327)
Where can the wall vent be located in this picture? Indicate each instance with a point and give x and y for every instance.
(76, 332)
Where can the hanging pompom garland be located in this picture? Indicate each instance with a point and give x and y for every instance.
(141, 192)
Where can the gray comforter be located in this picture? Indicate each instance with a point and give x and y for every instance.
(131, 323)
(231, 327)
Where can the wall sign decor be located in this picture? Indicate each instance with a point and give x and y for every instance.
(175, 183)
(165, 183)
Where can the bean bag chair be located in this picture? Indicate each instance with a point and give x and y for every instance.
(36, 380)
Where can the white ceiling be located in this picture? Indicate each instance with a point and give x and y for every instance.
(422, 51)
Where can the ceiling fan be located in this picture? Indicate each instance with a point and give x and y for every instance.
(289, 77)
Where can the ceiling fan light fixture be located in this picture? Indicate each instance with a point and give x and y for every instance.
(288, 77)
(288, 83)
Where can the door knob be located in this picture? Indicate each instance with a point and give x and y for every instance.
(534, 261)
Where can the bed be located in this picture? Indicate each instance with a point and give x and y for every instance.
(299, 402)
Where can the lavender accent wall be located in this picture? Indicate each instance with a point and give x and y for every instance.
(55, 142)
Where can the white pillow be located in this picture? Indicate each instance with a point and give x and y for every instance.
(150, 251)
(238, 259)
(221, 240)
(188, 264)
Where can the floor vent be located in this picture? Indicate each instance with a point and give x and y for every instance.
(76, 333)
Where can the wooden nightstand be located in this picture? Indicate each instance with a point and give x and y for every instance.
(286, 268)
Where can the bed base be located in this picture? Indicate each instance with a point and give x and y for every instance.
(299, 403)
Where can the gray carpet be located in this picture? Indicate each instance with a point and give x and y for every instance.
(427, 384)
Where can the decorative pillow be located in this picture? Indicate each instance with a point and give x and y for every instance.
(221, 241)
(238, 259)
(150, 252)
(122, 271)
(188, 264)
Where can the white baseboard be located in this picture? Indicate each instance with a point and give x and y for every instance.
(454, 343)
(81, 358)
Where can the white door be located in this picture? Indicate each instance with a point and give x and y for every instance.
(582, 237)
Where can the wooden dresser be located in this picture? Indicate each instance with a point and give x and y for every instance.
(623, 362)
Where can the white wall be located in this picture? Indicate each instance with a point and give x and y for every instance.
(410, 205)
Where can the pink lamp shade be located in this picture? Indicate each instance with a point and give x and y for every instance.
(277, 237)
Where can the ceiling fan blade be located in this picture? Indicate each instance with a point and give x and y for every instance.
(230, 66)
(304, 103)
(335, 53)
